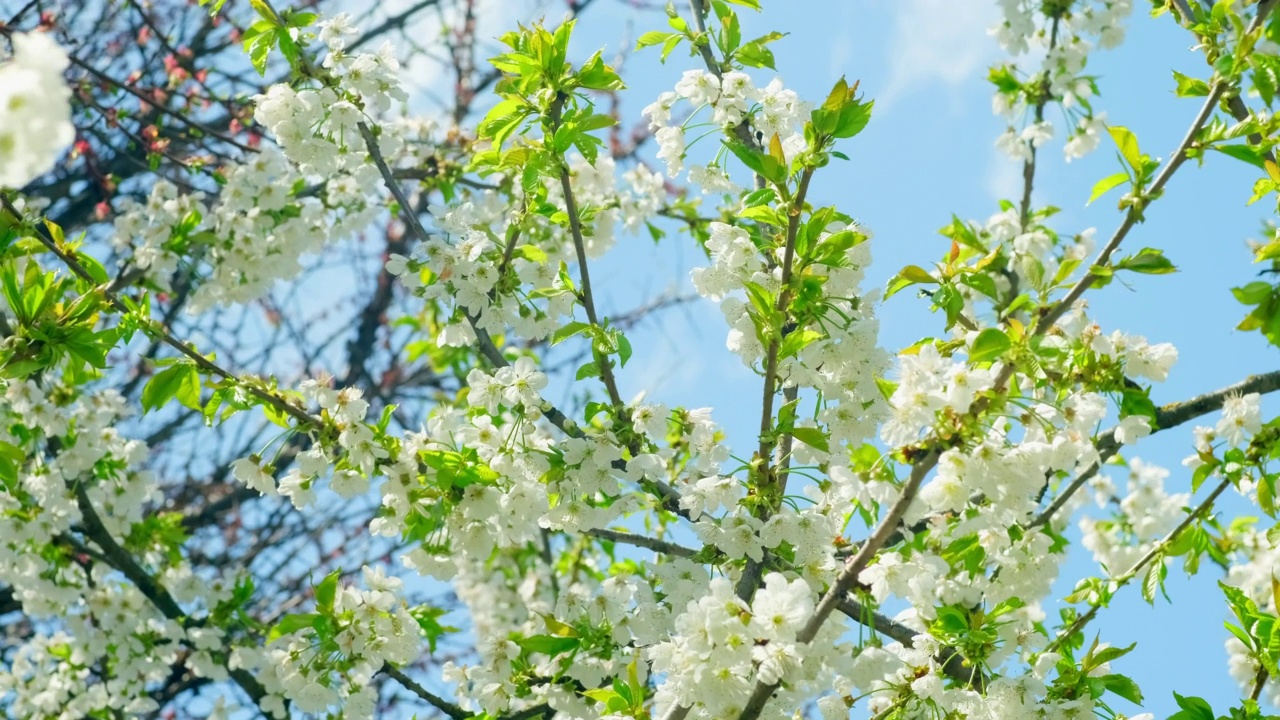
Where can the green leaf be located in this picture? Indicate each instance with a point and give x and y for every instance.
(669, 45)
(1193, 708)
(588, 370)
(93, 267)
(624, 349)
(1189, 86)
(761, 213)
(532, 253)
(796, 341)
(654, 37)
(302, 19)
(761, 164)
(265, 11)
(813, 437)
(1148, 261)
(1105, 655)
(1270, 251)
(607, 696)
(1153, 582)
(568, 331)
(1124, 687)
(179, 381)
(951, 621)
(1106, 184)
(990, 344)
(260, 49)
(1254, 293)
(596, 75)
(548, 644)
(326, 591)
(290, 624)
(853, 118)
(1127, 142)
(1246, 153)
(907, 276)
(755, 54)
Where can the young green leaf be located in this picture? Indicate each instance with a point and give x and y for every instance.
(990, 345)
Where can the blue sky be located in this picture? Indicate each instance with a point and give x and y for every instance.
(929, 152)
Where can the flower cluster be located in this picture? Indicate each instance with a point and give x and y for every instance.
(1144, 516)
(721, 643)
(89, 613)
(35, 108)
(732, 98)
(318, 669)
(1066, 33)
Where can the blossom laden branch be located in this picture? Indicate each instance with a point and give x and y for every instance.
(853, 567)
(1157, 551)
(122, 560)
(277, 402)
(1166, 417)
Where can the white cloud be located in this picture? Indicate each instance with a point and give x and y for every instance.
(937, 42)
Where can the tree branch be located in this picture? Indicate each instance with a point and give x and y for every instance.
(949, 659)
(1155, 551)
(455, 712)
(654, 544)
(1167, 416)
(848, 576)
(771, 483)
(580, 248)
